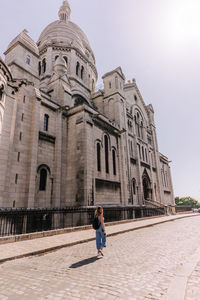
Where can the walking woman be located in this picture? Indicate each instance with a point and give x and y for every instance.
(100, 233)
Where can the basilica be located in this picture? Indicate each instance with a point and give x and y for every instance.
(65, 143)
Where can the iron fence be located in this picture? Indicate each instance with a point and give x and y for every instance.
(180, 209)
(20, 221)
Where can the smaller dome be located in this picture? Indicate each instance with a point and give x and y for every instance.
(64, 33)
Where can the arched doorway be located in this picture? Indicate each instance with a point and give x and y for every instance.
(147, 190)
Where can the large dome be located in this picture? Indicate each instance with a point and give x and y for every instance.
(65, 33)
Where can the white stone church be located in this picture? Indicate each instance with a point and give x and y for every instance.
(62, 143)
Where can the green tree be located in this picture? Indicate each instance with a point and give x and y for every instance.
(187, 201)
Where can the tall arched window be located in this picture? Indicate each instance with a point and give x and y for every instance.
(116, 82)
(139, 149)
(146, 155)
(114, 162)
(43, 179)
(46, 122)
(141, 129)
(44, 65)
(134, 186)
(77, 68)
(39, 68)
(82, 72)
(98, 157)
(106, 154)
(143, 153)
(137, 126)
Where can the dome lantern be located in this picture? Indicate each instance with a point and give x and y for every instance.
(64, 12)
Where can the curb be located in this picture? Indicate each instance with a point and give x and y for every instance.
(51, 249)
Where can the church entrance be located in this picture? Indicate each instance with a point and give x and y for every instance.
(146, 188)
(147, 191)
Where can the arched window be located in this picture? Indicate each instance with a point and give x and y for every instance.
(114, 162)
(77, 68)
(139, 149)
(56, 57)
(98, 157)
(146, 155)
(116, 82)
(66, 59)
(82, 72)
(43, 179)
(130, 148)
(39, 68)
(28, 60)
(143, 153)
(46, 122)
(141, 129)
(44, 65)
(134, 186)
(137, 127)
(106, 154)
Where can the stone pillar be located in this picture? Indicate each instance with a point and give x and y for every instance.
(157, 162)
(34, 133)
(58, 160)
(6, 148)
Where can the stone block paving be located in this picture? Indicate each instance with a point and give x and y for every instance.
(193, 284)
(137, 265)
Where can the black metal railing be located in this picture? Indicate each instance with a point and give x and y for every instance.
(180, 209)
(20, 221)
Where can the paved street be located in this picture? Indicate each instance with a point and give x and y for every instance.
(137, 265)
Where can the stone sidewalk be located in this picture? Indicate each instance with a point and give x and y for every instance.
(11, 251)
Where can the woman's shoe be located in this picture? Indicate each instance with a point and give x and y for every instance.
(101, 252)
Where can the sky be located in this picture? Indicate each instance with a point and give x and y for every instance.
(157, 42)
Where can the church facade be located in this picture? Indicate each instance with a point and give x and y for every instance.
(62, 143)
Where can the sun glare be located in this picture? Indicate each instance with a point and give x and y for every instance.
(184, 24)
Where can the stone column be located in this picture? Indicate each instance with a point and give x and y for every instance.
(6, 150)
(157, 162)
(58, 160)
(34, 133)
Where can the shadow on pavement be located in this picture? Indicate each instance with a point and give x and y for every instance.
(84, 262)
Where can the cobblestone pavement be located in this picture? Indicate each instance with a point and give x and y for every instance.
(137, 265)
(193, 285)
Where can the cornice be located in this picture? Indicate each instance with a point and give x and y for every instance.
(24, 46)
(116, 93)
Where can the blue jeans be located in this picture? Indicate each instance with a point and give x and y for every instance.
(100, 238)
